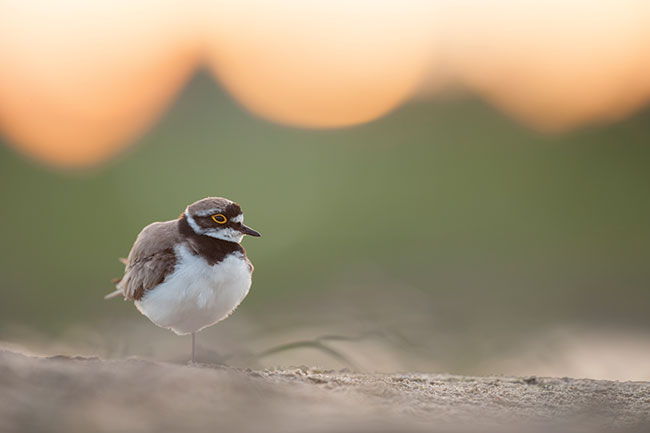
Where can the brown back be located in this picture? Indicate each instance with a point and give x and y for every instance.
(151, 259)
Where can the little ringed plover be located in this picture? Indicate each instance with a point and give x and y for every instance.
(190, 273)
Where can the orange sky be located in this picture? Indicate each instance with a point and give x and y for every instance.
(81, 80)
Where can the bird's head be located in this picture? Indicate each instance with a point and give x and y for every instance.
(218, 218)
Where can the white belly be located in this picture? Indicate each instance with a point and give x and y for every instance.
(197, 295)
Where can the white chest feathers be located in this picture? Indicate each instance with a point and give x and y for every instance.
(197, 295)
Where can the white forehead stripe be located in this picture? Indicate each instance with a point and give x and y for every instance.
(238, 219)
(208, 212)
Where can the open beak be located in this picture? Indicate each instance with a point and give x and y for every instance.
(249, 231)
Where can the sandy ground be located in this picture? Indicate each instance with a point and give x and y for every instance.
(62, 394)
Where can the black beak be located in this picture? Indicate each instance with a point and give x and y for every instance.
(249, 231)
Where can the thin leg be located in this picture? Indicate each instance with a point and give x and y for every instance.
(193, 346)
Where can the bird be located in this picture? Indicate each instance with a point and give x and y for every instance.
(189, 273)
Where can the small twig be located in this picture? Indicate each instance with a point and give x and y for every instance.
(316, 344)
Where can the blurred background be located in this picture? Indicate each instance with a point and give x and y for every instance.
(441, 186)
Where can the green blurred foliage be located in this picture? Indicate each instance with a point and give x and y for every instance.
(501, 226)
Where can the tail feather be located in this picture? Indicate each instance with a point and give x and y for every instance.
(114, 294)
(117, 292)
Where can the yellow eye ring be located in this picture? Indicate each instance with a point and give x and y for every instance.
(219, 218)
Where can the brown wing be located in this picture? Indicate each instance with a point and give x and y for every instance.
(151, 259)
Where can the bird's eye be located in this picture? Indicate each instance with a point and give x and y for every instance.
(219, 218)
